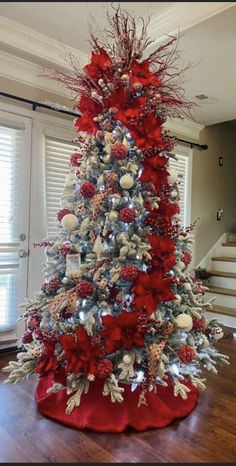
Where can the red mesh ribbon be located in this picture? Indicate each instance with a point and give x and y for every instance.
(98, 413)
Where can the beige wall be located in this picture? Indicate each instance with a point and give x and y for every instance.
(214, 186)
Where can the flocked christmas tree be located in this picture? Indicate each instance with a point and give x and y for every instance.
(120, 314)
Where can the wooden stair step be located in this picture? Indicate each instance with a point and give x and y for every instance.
(233, 245)
(220, 273)
(219, 290)
(227, 311)
(224, 258)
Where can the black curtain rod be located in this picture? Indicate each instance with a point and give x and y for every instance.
(67, 112)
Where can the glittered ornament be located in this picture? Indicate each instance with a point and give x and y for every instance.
(70, 222)
(84, 289)
(126, 181)
(113, 216)
(186, 354)
(61, 213)
(129, 272)
(33, 322)
(199, 325)
(27, 337)
(88, 190)
(127, 215)
(75, 159)
(184, 322)
(104, 369)
(216, 333)
(119, 151)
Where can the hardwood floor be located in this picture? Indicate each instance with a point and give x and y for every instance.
(206, 435)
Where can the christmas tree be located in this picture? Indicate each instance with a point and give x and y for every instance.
(118, 333)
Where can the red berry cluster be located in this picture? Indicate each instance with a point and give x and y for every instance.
(75, 159)
(52, 286)
(61, 213)
(127, 215)
(84, 289)
(104, 369)
(119, 151)
(129, 272)
(186, 354)
(88, 190)
(186, 258)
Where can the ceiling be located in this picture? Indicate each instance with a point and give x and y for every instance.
(209, 45)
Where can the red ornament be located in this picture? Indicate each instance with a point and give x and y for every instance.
(186, 354)
(27, 337)
(199, 325)
(104, 369)
(119, 151)
(52, 286)
(88, 190)
(127, 215)
(129, 272)
(61, 213)
(32, 323)
(75, 159)
(84, 289)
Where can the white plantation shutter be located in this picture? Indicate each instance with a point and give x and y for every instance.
(182, 166)
(57, 156)
(11, 180)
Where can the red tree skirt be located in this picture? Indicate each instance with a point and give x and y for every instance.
(98, 413)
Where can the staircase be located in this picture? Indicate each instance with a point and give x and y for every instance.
(222, 285)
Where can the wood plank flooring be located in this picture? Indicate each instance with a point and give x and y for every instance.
(206, 435)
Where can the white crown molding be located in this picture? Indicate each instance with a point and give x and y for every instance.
(181, 16)
(26, 72)
(185, 127)
(37, 46)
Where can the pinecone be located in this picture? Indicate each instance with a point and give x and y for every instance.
(119, 151)
(84, 289)
(88, 189)
(127, 215)
(104, 369)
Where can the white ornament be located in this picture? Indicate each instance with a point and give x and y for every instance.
(217, 333)
(180, 265)
(177, 299)
(173, 175)
(127, 359)
(113, 216)
(126, 181)
(184, 322)
(187, 287)
(69, 222)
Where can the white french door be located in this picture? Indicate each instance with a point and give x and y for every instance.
(15, 151)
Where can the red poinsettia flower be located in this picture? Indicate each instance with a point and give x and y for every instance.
(118, 98)
(122, 330)
(78, 352)
(140, 72)
(154, 171)
(89, 109)
(150, 289)
(162, 252)
(149, 133)
(48, 360)
(100, 63)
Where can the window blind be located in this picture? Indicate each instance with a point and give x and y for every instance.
(181, 165)
(11, 180)
(57, 156)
